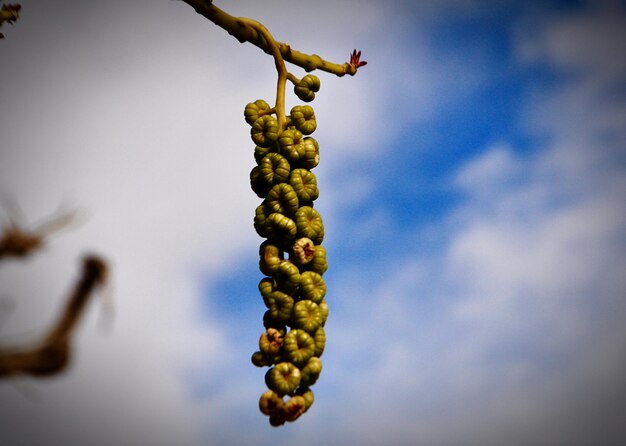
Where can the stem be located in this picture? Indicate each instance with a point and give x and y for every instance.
(294, 80)
(52, 354)
(244, 32)
(280, 68)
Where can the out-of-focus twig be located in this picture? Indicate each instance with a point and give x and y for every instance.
(9, 13)
(18, 242)
(244, 31)
(52, 355)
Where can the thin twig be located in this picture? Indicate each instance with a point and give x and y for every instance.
(280, 68)
(244, 32)
(18, 242)
(52, 355)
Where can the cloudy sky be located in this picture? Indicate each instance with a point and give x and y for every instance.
(472, 185)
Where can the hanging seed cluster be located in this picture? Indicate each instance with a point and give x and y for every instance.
(291, 256)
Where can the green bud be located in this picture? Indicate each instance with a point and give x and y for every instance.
(270, 322)
(307, 316)
(320, 337)
(271, 256)
(311, 372)
(303, 118)
(264, 131)
(270, 403)
(260, 152)
(254, 109)
(291, 145)
(318, 264)
(258, 184)
(298, 347)
(307, 87)
(280, 306)
(311, 156)
(283, 378)
(260, 221)
(266, 287)
(312, 286)
(259, 360)
(273, 169)
(304, 183)
(309, 224)
(282, 198)
(323, 306)
(308, 396)
(279, 228)
(287, 277)
(293, 408)
(270, 342)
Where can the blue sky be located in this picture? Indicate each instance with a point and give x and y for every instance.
(471, 181)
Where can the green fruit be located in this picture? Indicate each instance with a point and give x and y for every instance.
(287, 277)
(283, 378)
(311, 157)
(271, 256)
(309, 224)
(312, 286)
(291, 145)
(270, 403)
(320, 340)
(280, 306)
(308, 396)
(318, 264)
(264, 131)
(270, 342)
(310, 372)
(293, 289)
(259, 360)
(293, 408)
(303, 119)
(273, 169)
(253, 110)
(258, 184)
(270, 322)
(307, 316)
(266, 286)
(277, 419)
(307, 87)
(260, 152)
(279, 228)
(323, 306)
(304, 184)
(282, 198)
(298, 347)
(260, 221)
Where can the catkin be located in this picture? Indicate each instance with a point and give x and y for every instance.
(291, 256)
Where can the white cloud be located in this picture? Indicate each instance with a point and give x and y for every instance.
(435, 348)
(141, 139)
(513, 334)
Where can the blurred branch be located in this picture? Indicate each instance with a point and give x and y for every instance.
(242, 30)
(17, 242)
(52, 354)
(9, 13)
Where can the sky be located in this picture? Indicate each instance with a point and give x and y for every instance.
(472, 183)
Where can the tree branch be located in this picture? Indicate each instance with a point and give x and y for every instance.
(244, 32)
(17, 242)
(9, 13)
(52, 355)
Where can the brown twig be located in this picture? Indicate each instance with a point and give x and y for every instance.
(244, 32)
(51, 356)
(9, 13)
(17, 242)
